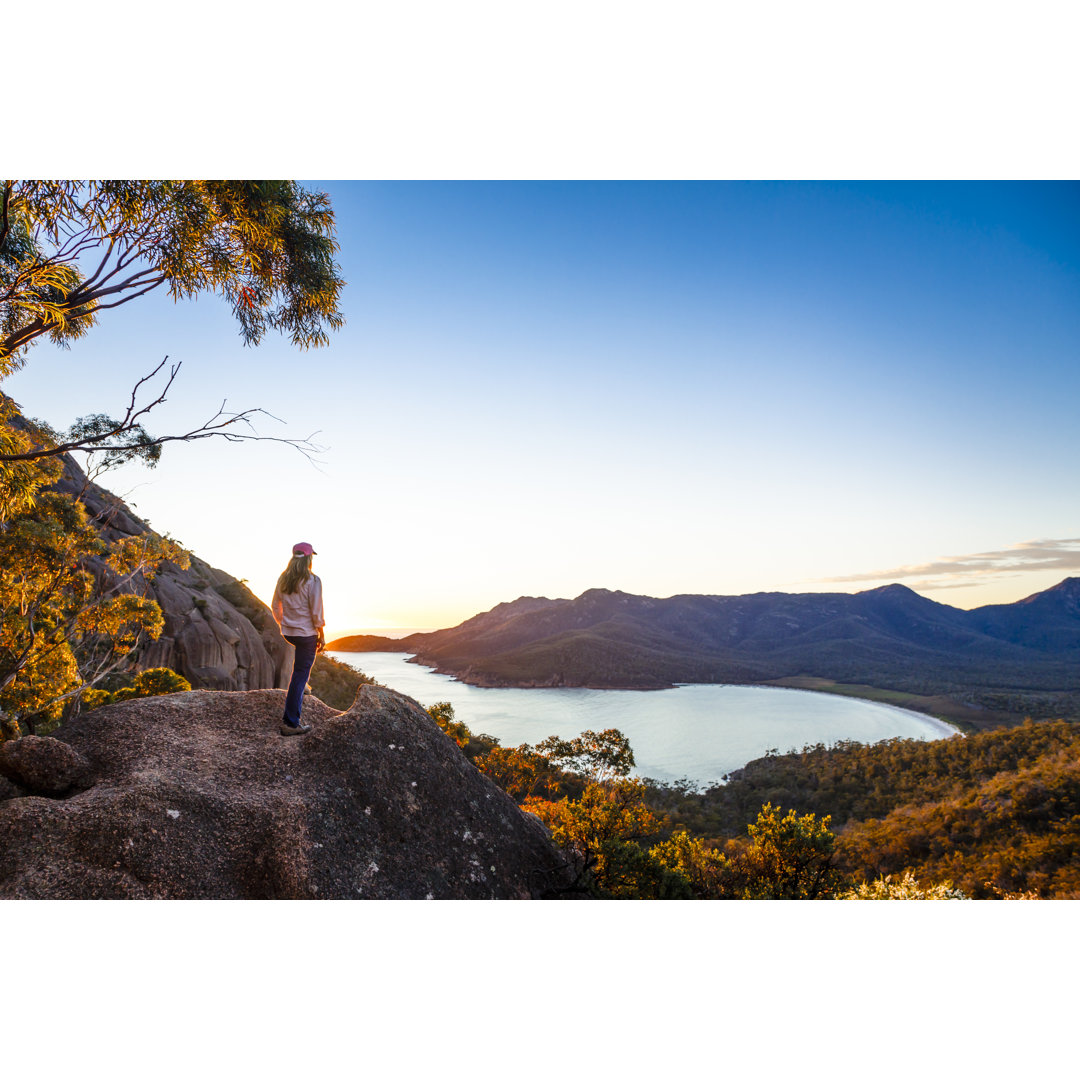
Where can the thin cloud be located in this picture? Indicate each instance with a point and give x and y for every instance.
(957, 571)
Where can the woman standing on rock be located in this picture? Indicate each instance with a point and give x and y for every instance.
(298, 609)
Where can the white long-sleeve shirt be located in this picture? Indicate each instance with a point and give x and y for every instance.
(299, 614)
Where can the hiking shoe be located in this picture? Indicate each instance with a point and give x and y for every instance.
(300, 729)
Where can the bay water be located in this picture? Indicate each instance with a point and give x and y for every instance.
(699, 731)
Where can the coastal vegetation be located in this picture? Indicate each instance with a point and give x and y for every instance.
(990, 816)
(614, 840)
(994, 814)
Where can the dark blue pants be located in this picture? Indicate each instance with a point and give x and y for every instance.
(303, 658)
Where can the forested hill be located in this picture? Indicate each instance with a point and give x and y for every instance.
(887, 637)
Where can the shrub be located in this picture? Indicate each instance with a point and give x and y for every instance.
(336, 683)
(150, 683)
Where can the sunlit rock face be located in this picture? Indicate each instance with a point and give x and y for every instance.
(218, 635)
(197, 796)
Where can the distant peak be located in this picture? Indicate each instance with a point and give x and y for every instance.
(1067, 585)
(605, 594)
(523, 604)
(894, 589)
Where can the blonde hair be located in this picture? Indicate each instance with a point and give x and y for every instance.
(295, 574)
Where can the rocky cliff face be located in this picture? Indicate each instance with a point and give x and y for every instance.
(218, 635)
(196, 795)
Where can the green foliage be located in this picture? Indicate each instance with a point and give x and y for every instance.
(596, 833)
(1029, 704)
(267, 246)
(625, 871)
(706, 870)
(599, 756)
(149, 683)
(595, 813)
(70, 610)
(442, 712)
(136, 444)
(789, 858)
(22, 481)
(474, 747)
(524, 773)
(556, 768)
(784, 858)
(336, 683)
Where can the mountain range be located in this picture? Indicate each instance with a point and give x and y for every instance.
(889, 637)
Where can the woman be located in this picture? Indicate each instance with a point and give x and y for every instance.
(298, 609)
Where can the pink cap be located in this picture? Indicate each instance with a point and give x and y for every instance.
(303, 549)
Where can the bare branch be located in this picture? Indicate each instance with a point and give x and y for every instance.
(210, 430)
(218, 425)
(131, 414)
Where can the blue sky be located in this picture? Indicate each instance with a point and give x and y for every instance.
(656, 387)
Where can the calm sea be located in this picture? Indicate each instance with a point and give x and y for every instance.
(700, 732)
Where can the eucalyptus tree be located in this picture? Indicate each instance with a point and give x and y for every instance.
(72, 250)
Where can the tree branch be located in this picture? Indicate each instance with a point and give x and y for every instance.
(92, 279)
(217, 425)
(77, 242)
(5, 223)
(133, 296)
(15, 341)
(79, 297)
(131, 414)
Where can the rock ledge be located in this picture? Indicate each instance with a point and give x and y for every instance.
(196, 795)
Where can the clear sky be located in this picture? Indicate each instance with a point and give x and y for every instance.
(656, 387)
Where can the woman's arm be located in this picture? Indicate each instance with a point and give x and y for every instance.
(318, 620)
(277, 608)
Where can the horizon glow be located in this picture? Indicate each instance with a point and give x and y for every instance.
(659, 388)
